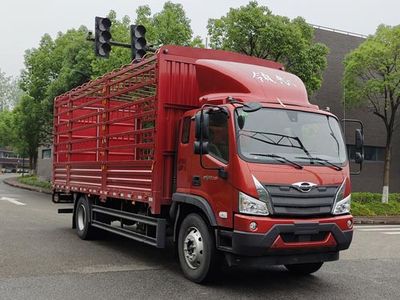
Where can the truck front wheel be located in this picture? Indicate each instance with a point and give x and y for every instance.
(304, 269)
(82, 216)
(196, 249)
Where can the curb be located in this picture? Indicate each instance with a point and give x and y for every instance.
(13, 183)
(378, 220)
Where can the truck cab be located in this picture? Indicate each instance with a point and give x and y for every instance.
(271, 170)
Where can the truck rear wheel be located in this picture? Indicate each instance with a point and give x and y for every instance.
(196, 249)
(304, 269)
(82, 216)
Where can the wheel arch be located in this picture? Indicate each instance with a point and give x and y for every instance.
(184, 204)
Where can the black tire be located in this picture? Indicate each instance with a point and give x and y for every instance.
(200, 263)
(304, 269)
(82, 216)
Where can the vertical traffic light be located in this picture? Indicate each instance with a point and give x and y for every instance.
(102, 37)
(138, 41)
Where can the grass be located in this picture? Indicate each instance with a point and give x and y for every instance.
(370, 204)
(34, 181)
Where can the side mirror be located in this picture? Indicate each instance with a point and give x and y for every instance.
(200, 147)
(241, 121)
(359, 158)
(202, 120)
(358, 144)
(359, 139)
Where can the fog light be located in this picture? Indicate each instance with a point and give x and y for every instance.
(253, 225)
(350, 224)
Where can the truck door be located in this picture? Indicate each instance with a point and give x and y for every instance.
(185, 156)
(207, 181)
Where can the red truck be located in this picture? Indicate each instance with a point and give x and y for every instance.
(221, 152)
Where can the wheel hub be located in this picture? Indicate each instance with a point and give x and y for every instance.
(81, 217)
(193, 248)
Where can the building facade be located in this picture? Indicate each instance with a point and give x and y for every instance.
(44, 166)
(331, 95)
(11, 162)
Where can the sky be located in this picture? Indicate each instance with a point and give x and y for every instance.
(25, 21)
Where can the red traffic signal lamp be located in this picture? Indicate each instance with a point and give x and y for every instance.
(102, 37)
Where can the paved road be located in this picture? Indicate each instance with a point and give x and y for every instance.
(42, 258)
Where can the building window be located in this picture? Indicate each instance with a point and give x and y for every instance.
(46, 153)
(371, 153)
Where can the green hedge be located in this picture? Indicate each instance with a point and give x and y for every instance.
(370, 204)
(34, 181)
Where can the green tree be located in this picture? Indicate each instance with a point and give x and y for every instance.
(6, 129)
(9, 92)
(57, 65)
(53, 68)
(169, 26)
(25, 125)
(255, 31)
(372, 79)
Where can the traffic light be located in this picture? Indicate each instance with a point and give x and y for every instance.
(102, 37)
(138, 41)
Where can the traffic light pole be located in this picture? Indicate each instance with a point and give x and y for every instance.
(118, 44)
(113, 43)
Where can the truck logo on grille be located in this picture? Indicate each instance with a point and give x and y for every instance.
(304, 187)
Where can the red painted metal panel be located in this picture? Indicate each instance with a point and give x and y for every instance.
(116, 136)
(104, 135)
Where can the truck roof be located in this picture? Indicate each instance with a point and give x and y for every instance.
(228, 73)
(254, 82)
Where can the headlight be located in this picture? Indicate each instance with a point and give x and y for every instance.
(253, 206)
(342, 204)
(263, 195)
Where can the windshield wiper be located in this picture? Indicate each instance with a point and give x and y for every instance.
(279, 158)
(275, 139)
(272, 138)
(322, 161)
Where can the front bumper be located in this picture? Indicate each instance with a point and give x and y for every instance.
(282, 241)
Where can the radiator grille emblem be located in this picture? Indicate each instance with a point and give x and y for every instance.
(304, 187)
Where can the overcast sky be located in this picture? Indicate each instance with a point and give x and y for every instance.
(25, 21)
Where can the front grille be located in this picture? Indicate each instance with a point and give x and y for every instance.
(297, 238)
(288, 201)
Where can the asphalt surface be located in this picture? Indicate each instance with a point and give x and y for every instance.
(42, 258)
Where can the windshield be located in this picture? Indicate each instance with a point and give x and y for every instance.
(302, 137)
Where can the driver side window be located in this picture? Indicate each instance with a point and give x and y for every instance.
(218, 144)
